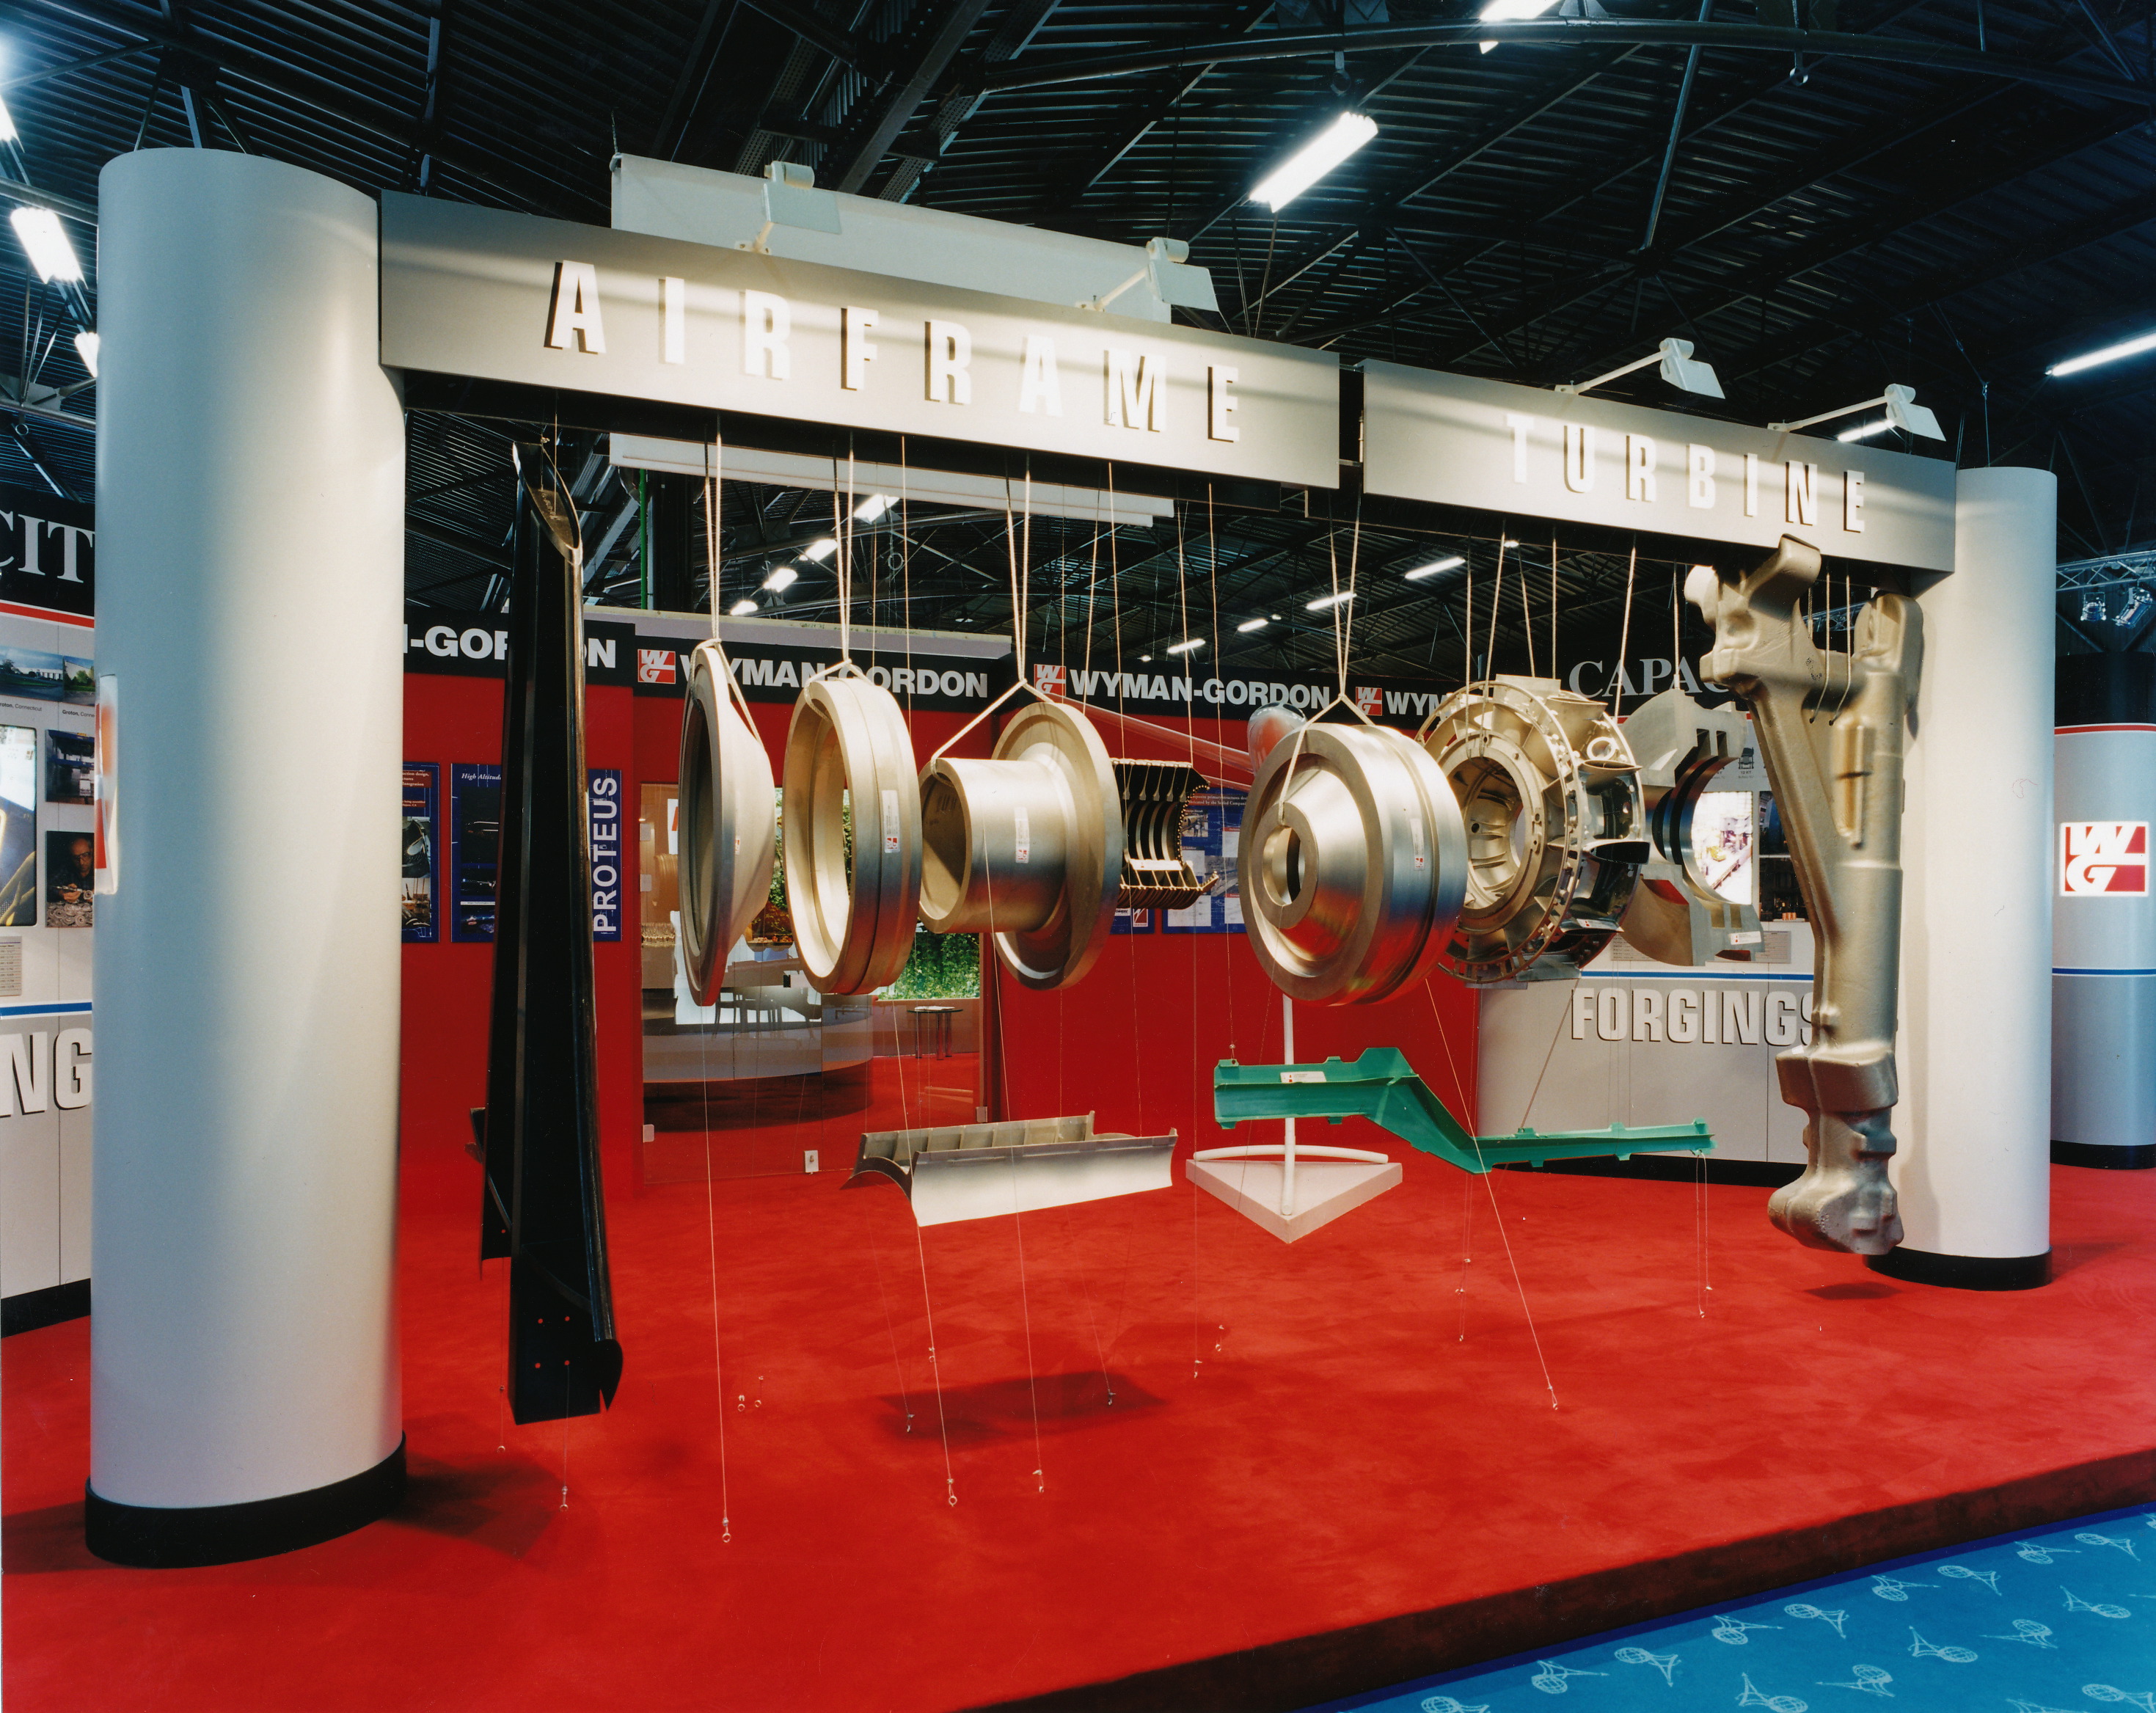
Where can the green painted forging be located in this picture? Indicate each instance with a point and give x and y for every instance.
(1383, 1087)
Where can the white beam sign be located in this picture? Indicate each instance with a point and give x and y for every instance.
(1523, 452)
(509, 297)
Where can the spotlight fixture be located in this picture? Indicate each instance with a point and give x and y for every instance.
(1250, 625)
(1324, 602)
(1436, 566)
(85, 347)
(1174, 281)
(1314, 159)
(740, 608)
(45, 240)
(1186, 647)
(816, 552)
(874, 507)
(783, 576)
(1680, 368)
(1902, 412)
(2109, 354)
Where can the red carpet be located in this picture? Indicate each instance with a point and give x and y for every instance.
(1300, 1445)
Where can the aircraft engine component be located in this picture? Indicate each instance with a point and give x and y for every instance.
(1556, 826)
(978, 1171)
(1267, 727)
(1831, 727)
(1156, 876)
(728, 824)
(1675, 916)
(1352, 863)
(852, 835)
(1027, 846)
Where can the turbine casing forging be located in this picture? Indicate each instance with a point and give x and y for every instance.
(852, 835)
(1675, 916)
(1027, 846)
(728, 824)
(1556, 826)
(1831, 727)
(1352, 863)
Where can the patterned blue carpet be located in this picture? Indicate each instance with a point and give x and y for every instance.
(2062, 1620)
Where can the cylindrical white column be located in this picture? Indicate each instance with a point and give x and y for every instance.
(250, 498)
(1974, 1119)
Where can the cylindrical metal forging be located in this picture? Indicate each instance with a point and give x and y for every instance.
(852, 835)
(1556, 827)
(728, 824)
(1353, 864)
(1027, 846)
(1674, 916)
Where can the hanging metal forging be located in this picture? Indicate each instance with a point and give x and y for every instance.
(1833, 727)
(1353, 864)
(1676, 915)
(1556, 826)
(728, 824)
(1026, 846)
(852, 834)
(1156, 876)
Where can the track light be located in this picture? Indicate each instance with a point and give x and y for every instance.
(816, 552)
(2109, 354)
(1314, 159)
(45, 240)
(740, 609)
(1323, 601)
(1173, 280)
(1902, 412)
(1680, 368)
(874, 507)
(85, 347)
(1420, 571)
(1185, 647)
(1250, 625)
(783, 576)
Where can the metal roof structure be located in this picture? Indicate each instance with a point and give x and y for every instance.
(1824, 195)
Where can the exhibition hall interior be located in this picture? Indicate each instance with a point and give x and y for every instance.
(1426, 727)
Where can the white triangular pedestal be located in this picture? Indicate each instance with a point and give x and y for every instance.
(1324, 1190)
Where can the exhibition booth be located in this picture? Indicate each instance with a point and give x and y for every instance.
(828, 1196)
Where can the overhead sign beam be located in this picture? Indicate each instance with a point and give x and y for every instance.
(499, 297)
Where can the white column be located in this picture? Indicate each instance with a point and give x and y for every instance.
(1974, 1120)
(250, 503)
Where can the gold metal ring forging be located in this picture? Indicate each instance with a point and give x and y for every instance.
(1027, 846)
(1556, 825)
(852, 835)
(1353, 864)
(727, 824)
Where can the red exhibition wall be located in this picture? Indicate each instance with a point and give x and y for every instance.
(1134, 1042)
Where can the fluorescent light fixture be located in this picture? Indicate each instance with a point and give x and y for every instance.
(1314, 160)
(874, 507)
(781, 577)
(2109, 354)
(1511, 12)
(1436, 566)
(85, 347)
(1185, 647)
(7, 132)
(1250, 625)
(1142, 658)
(45, 240)
(1864, 431)
(816, 552)
(1324, 602)
(740, 609)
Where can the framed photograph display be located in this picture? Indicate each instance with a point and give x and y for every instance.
(1211, 832)
(18, 825)
(70, 767)
(71, 878)
(420, 851)
(475, 848)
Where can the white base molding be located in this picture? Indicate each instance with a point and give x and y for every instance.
(1324, 1190)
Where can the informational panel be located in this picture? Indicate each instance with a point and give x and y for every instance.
(474, 848)
(421, 853)
(1212, 826)
(509, 297)
(1524, 453)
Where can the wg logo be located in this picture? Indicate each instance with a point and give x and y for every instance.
(1370, 699)
(654, 666)
(2103, 859)
(1048, 679)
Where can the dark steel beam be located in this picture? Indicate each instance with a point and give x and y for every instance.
(813, 30)
(936, 49)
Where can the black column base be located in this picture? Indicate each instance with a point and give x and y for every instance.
(157, 1537)
(2133, 1156)
(1964, 1272)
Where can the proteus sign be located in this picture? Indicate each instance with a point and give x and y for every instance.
(1521, 453)
(511, 297)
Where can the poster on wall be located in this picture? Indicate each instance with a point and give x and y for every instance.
(475, 848)
(603, 816)
(70, 767)
(70, 880)
(1212, 831)
(18, 826)
(1133, 922)
(421, 847)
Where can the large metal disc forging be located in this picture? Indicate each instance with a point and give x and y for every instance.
(1674, 915)
(727, 823)
(1027, 846)
(852, 835)
(1556, 825)
(1353, 864)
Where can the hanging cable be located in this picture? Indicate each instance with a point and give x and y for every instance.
(1625, 635)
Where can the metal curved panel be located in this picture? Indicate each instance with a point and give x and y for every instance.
(728, 824)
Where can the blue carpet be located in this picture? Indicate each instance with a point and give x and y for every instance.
(2062, 1620)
